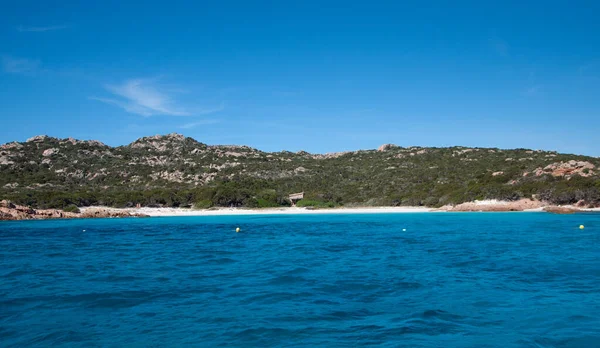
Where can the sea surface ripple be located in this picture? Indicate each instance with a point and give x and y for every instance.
(390, 280)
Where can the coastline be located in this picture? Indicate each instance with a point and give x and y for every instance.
(9, 211)
(168, 212)
(165, 212)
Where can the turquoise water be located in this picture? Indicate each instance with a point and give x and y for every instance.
(449, 280)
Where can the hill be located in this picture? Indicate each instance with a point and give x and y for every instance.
(173, 170)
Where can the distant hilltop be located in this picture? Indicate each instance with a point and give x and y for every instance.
(174, 170)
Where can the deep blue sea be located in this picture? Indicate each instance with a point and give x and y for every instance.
(391, 280)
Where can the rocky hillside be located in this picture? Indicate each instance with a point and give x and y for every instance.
(173, 170)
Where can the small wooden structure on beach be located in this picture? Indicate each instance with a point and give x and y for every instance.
(295, 197)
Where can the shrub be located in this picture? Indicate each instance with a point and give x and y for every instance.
(263, 203)
(313, 203)
(250, 202)
(71, 208)
(203, 204)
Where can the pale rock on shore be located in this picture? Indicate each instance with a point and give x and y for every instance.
(10, 211)
(519, 205)
(495, 205)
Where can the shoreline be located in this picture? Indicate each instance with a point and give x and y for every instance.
(173, 212)
(167, 212)
(9, 211)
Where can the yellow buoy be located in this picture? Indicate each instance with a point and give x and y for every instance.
(581, 227)
(237, 230)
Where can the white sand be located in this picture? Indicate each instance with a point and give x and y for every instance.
(282, 211)
(274, 211)
(266, 211)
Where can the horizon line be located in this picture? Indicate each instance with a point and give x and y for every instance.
(299, 151)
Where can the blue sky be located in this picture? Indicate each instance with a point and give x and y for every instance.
(308, 75)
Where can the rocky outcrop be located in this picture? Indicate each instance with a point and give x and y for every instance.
(7, 204)
(463, 151)
(100, 212)
(233, 154)
(159, 143)
(5, 160)
(331, 155)
(11, 146)
(386, 147)
(37, 139)
(582, 203)
(50, 152)
(520, 205)
(175, 176)
(74, 141)
(561, 210)
(10, 211)
(566, 169)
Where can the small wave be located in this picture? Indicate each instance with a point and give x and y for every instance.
(260, 333)
(326, 302)
(441, 314)
(221, 261)
(14, 274)
(146, 314)
(349, 314)
(269, 298)
(286, 280)
(298, 270)
(115, 278)
(338, 248)
(407, 285)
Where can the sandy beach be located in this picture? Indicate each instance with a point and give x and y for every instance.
(157, 212)
(9, 211)
(164, 212)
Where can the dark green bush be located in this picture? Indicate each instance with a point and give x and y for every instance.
(203, 204)
(71, 208)
(263, 203)
(316, 204)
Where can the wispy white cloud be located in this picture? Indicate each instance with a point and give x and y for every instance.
(129, 107)
(24, 29)
(205, 111)
(147, 98)
(14, 65)
(144, 97)
(199, 123)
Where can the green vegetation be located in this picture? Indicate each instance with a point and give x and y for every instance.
(71, 208)
(175, 171)
(315, 204)
(203, 204)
